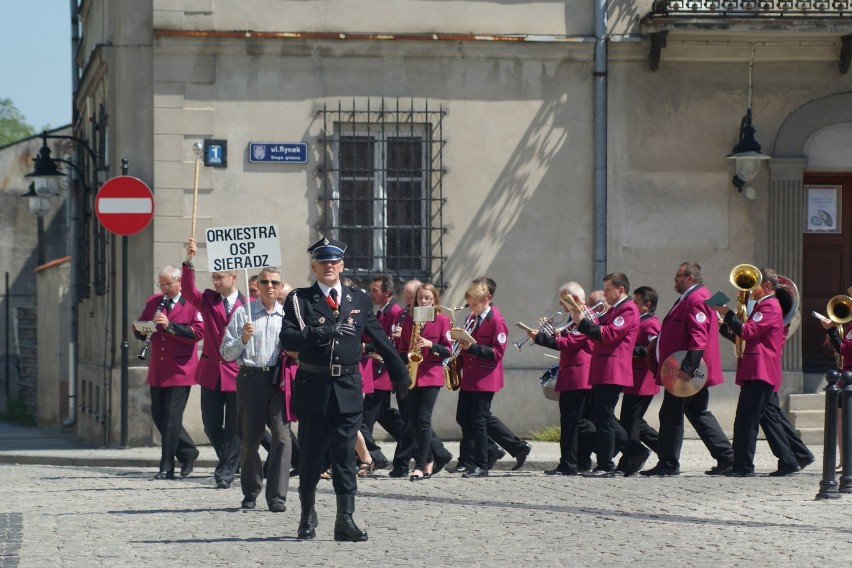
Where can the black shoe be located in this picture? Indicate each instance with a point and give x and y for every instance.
(805, 463)
(494, 458)
(720, 469)
(784, 471)
(739, 473)
(439, 463)
(308, 520)
(398, 471)
(294, 472)
(475, 472)
(222, 484)
(661, 470)
(599, 473)
(380, 464)
(187, 467)
(345, 528)
(634, 464)
(277, 505)
(559, 470)
(165, 475)
(521, 457)
(460, 468)
(420, 477)
(248, 503)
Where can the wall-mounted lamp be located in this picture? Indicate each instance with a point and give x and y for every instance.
(747, 152)
(45, 174)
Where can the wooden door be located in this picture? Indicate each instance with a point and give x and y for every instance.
(826, 272)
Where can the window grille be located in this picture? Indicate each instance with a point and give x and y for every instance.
(383, 188)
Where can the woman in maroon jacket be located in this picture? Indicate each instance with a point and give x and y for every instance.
(434, 345)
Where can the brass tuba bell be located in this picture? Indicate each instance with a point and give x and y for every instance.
(839, 311)
(745, 278)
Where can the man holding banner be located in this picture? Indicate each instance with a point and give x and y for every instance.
(325, 323)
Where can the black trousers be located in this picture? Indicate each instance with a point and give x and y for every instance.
(573, 411)
(405, 444)
(377, 408)
(695, 408)
(472, 413)
(773, 413)
(333, 432)
(421, 403)
(755, 397)
(219, 416)
(502, 436)
(604, 399)
(634, 430)
(167, 406)
(260, 403)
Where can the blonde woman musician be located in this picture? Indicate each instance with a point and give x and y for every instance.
(434, 343)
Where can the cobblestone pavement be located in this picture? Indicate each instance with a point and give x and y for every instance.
(119, 516)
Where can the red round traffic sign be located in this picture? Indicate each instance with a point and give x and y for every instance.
(124, 205)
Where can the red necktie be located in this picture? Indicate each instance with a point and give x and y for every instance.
(332, 299)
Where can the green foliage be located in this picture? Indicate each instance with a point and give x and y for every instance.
(548, 434)
(13, 125)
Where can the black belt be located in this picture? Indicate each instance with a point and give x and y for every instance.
(333, 370)
(249, 370)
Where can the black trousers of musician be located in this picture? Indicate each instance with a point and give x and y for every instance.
(774, 414)
(167, 406)
(695, 408)
(219, 416)
(472, 413)
(333, 432)
(604, 399)
(755, 396)
(505, 438)
(421, 403)
(405, 444)
(573, 409)
(377, 408)
(260, 403)
(630, 436)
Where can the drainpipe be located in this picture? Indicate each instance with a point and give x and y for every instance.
(600, 71)
(71, 213)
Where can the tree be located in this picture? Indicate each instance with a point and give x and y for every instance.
(13, 125)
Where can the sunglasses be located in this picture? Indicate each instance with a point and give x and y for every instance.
(266, 282)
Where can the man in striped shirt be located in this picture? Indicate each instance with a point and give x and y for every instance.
(254, 345)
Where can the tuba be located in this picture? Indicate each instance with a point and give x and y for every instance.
(744, 278)
(839, 310)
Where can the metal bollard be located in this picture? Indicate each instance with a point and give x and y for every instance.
(828, 485)
(846, 433)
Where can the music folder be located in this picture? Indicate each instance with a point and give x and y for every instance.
(717, 299)
(146, 327)
(459, 333)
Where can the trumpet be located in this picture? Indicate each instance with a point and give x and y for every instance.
(744, 278)
(590, 312)
(549, 326)
(452, 373)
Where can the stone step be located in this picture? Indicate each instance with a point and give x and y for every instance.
(813, 401)
(808, 419)
(810, 436)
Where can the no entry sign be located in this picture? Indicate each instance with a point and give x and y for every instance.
(124, 205)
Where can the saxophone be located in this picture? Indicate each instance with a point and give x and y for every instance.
(415, 357)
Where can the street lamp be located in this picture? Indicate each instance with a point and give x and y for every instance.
(46, 173)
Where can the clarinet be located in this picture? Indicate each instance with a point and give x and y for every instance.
(144, 353)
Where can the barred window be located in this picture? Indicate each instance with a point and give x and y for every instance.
(383, 190)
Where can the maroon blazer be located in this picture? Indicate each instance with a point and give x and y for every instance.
(430, 373)
(482, 364)
(692, 324)
(644, 382)
(575, 356)
(387, 319)
(612, 356)
(211, 367)
(763, 334)
(287, 372)
(365, 368)
(172, 356)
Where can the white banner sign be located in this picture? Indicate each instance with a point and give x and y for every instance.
(250, 246)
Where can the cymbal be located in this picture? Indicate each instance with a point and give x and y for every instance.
(676, 382)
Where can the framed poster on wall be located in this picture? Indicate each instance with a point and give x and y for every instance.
(822, 208)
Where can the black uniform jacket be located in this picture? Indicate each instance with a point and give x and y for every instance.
(306, 309)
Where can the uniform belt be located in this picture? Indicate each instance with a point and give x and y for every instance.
(248, 369)
(333, 370)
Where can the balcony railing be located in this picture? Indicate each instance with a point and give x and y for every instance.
(807, 8)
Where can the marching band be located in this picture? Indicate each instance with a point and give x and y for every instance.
(610, 348)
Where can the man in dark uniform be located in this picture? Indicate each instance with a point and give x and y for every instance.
(324, 323)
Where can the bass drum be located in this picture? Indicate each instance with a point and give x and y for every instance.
(548, 383)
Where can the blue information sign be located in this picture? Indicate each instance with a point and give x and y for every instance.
(288, 152)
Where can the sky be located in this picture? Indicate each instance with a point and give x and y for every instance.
(35, 60)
